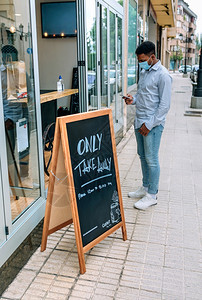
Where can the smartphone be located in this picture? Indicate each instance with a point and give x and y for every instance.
(125, 97)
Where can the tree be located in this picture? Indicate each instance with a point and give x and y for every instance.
(177, 56)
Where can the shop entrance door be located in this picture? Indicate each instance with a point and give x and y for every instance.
(109, 58)
(2, 217)
(19, 111)
(104, 57)
(21, 156)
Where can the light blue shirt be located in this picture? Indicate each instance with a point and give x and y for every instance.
(153, 97)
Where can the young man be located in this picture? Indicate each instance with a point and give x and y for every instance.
(152, 102)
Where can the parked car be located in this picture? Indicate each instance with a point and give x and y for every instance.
(182, 67)
(194, 73)
(91, 84)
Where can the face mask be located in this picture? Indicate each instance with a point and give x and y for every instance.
(144, 65)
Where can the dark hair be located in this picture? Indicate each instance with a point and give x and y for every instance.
(147, 48)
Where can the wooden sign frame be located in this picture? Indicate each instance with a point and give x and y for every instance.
(61, 206)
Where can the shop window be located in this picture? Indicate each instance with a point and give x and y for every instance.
(132, 42)
(18, 97)
(180, 10)
(91, 55)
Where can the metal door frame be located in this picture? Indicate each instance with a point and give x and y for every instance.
(19, 230)
(117, 10)
(2, 213)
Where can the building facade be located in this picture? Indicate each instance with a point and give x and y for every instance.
(98, 59)
(184, 44)
(157, 24)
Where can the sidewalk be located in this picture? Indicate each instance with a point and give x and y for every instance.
(162, 258)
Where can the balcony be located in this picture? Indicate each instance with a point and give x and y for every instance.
(181, 31)
(180, 18)
(171, 32)
(192, 25)
(191, 46)
(191, 55)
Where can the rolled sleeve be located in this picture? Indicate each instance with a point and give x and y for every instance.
(134, 99)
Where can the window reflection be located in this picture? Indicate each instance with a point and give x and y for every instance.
(119, 101)
(132, 33)
(91, 55)
(112, 72)
(103, 57)
(19, 105)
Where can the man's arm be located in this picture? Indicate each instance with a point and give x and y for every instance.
(164, 87)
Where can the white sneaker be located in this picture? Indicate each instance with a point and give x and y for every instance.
(139, 193)
(145, 202)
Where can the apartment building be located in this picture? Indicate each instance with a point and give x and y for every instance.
(157, 21)
(185, 41)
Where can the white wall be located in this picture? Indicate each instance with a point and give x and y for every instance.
(56, 56)
(152, 36)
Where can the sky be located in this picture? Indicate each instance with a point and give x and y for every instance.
(196, 7)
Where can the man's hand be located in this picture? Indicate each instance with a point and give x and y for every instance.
(128, 101)
(144, 130)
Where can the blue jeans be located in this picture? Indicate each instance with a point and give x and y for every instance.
(148, 151)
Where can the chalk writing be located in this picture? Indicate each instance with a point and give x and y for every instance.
(81, 195)
(106, 224)
(94, 172)
(88, 165)
(90, 191)
(92, 144)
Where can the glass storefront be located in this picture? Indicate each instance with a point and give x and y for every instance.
(2, 220)
(103, 57)
(19, 106)
(104, 50)
(132, 42)
(112, 63)
(21, 156)
(119, 102)
(91, 54)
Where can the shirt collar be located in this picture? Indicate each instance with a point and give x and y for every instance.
(156, 66)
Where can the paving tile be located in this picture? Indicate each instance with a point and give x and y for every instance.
(30, 297)
(100, 297)
(81, 294)
(104, 293)
(127, 293)
(155, 254)
(193, 260)
(157, 235)
(174, 257)
(57, 296)
(18, 287)
(146, 295)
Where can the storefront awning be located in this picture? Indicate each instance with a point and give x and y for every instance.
(164, 11)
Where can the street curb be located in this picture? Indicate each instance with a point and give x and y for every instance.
(125, 140)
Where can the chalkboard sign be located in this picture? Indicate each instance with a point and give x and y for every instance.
(94, 176)
(84, 185)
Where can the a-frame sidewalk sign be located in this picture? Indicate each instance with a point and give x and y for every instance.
(84, 185)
